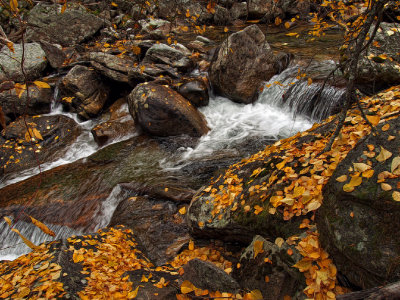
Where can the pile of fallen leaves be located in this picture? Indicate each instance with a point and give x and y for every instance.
(297, 173)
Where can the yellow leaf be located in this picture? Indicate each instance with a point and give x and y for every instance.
(278, 21)
(225, 29)
(288, 201)
(313, 205)
(348, 188)
(22, 293)
(396, 196)
(10, 46)
(169, 40)
(291, 33)
(8, 220)
(368, 173)
(258, 248)
(64, 7)
(191, 245)
(41, 84)
(386, 127)
(14, 5)
(187, 13)
(383, 155)
(256, 295)
(114, 4)
(281, 164)
(355, 181)
(142, 68)
(133, 294)
(37, 134)
(287, 25)
(374, 120)
(385, 186)
(42, 227)
(395, 166)
(309, 81)
(25, 240)
(77, 257)
(361, 167)
(182, 211)
(303, 265)
(342, 178)
(19, 89)
(279, 241)
(187, 287)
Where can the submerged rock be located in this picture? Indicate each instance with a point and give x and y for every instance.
(241, 64)
(161, 111)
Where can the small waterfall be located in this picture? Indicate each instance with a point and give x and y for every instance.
(11, 245)
(297, 96)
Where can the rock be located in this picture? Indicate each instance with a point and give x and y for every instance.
(161, 111)
(88, 92)
(284, 279)
(238, 10)
(34, 62)
(118, 124)
(112, 66)
(163, 54)
(376, 73)
(54, 54)
(72, 27)
(157, 225)
(222, 16)
(366, 254)
(13, 106)
(196, 91)
(17, 154)
(207, 276)
(241, 64)
(174, 10)
(155, 28)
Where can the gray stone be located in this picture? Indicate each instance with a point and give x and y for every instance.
(34, 62)
(163, 54)
(71, 27)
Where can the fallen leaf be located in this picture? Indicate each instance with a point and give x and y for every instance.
(396, 196)
(42, 227)
(187, 287)
(395, 166)
(361, 167)
(385, 186)
(279, 241)
(348, 188)
(258, 248)
(386, 127)
(374, 120)
(41, 84)
(342, 178)
(182, 211)
(383, 155)
(355, 181)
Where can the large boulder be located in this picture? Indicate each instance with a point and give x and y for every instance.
(82, 91)
(56, 134)
(71, 27)
(34, 62)
(161, 111)
(379, 68)
(39, 101)
(241, 64)
(357, 223)
(195, 90)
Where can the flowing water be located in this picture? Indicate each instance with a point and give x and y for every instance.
(283, 109)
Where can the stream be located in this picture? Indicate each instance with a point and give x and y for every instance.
(237, 130)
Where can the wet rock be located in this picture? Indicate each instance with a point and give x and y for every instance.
(17, 153)
(112, 66)
(222, 16)
(163, 54)
(238, 10)
(34, 62)
(54, 54)
(161, 111)
(196, 91)
(376, 73)
(88, 92)
(39, 101)
(284, 280)
(174, 10)
(72, 27)
(241, 64)
(157, 225)
(118, 124)
(207, 276)
(367, 253)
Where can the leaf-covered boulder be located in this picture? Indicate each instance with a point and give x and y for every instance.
(52, 136)
(71, 27)
(161, 111)
(34, 62)
(241, 64)
(83, 91)
(360, 214)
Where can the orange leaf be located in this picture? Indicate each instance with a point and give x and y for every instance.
(41, 84)
(187, 287)
(374, 120)
(42, 227)
(258, 248)
(25, 240)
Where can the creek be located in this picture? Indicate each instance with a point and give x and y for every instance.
(237, 130)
